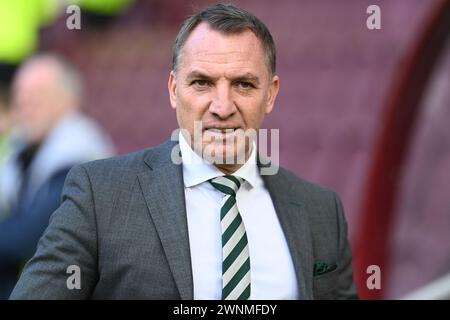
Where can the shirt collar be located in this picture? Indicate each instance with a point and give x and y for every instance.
(196, 170)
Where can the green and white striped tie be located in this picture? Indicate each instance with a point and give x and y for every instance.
(235, 251)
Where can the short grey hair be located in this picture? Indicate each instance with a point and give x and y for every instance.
(227, 19)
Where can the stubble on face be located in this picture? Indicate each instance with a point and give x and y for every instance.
(222, 82)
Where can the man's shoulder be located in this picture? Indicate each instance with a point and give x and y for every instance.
(124, 161)
(130, 164)
(305, 187)
(131, 161)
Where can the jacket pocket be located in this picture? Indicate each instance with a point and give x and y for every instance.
(325, 285)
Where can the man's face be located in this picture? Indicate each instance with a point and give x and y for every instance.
(36, 101)
(223, 82)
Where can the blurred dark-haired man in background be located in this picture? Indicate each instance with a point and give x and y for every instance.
(144, 226)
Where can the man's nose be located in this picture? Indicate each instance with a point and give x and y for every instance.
(222, 104)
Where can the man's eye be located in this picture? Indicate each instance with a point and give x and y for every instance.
(200, 83)
(245, 85)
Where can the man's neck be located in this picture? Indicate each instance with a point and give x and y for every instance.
(229, 169)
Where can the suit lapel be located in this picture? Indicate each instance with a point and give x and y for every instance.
(294, 221)
(162, 185)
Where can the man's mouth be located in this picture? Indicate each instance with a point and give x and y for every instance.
(222, 130)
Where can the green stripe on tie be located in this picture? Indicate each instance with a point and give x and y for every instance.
(229, 203)
(237, 278)
(234, 253)
(237, 222)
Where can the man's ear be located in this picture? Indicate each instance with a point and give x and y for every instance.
(172, 86)
(272, 94)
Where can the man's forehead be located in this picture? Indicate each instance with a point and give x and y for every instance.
(206, 46)
(36, 73)
(204, 40)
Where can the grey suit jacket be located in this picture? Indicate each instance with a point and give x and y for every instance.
(123, 222)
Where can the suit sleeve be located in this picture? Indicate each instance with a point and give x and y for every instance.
(69, 240)
(346, 288)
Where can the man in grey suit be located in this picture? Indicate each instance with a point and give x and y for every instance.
(148, 226)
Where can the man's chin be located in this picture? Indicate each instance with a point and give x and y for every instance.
(224, 154)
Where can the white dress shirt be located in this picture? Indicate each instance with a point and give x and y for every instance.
(271, 268)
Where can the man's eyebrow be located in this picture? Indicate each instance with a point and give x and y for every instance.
(196, 75)
(247, 77)
(250, 77)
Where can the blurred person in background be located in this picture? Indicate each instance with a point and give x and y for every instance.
(4, 125)
(53, 135)
(5, 135)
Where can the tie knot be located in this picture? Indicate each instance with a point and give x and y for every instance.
(227, 184)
